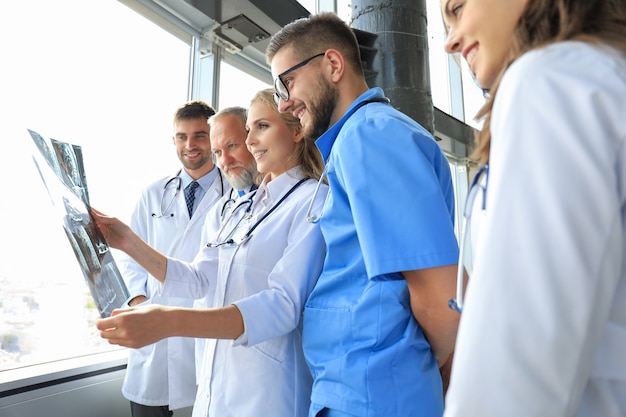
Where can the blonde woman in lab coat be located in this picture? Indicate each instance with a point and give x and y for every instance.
(543, 327)
(262, 262)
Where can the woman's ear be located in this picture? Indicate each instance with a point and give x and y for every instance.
(297, 132)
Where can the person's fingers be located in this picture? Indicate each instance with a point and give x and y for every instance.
(120, 311)
(105, 324)
(97, 214)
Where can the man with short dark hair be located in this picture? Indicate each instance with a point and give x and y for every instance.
(377, 326)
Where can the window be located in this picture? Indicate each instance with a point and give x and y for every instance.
(237, 88)
(453, 89)
(98, 75)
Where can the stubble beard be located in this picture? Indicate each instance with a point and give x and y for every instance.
(193, 166)
(321, 110)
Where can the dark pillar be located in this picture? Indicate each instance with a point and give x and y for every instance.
(402, 57)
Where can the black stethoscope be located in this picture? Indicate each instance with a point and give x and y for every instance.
(232, 199)
(228, 239)
(247, 203)
(178, 181)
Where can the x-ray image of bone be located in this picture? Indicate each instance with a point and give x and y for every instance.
(72, 171)
(63, 175)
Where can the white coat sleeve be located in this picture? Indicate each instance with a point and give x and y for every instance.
(550, 245)
(190, 279)
(195, 279)
(289, 283)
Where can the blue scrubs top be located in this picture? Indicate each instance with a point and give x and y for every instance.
(391, 209)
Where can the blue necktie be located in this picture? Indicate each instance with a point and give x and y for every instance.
(190, 196)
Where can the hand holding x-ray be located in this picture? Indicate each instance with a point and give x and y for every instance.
(62, 171)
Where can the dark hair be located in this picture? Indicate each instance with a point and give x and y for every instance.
(193, 110)
(544, 22)
(309, 157)
(315, 34)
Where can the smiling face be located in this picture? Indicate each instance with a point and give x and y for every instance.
(193, 147)
(312, 98)
(482, 31)
(272, 142)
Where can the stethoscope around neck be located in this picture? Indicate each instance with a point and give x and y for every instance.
(478, 186)
(226, 239)
(175, 183)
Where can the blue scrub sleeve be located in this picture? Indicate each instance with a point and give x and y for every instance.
(399, 186)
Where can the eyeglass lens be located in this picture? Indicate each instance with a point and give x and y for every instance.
(282, 92)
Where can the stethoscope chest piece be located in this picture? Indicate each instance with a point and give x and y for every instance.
(173, 184)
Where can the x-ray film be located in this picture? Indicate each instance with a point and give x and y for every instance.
(61, 168)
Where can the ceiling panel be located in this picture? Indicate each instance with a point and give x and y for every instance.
(240, 24)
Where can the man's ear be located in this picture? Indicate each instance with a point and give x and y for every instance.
(337, 64)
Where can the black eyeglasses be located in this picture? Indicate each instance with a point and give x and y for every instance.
(282, 92)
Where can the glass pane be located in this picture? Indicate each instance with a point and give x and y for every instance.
(310, 5)
(98, 75)
(472, 96)
(439, 75)
(344, 9)
(443, 91)
(237, 88)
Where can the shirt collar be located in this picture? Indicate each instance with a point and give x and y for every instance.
(205, 181)
(275, 189)
(325, 142)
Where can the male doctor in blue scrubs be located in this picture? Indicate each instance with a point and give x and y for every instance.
(377, 326)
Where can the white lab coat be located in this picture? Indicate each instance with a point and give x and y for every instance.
(263, 373)
(163, 373)
(543, 331)
(207, 235)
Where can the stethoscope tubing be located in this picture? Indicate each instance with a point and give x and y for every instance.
(228, 241)
(457, 303)
(179, 185)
